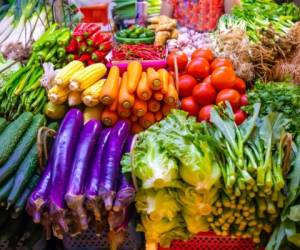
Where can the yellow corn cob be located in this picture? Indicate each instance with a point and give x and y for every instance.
(90, 113)
(64, 75)
(58, 95)
(91, 95)
(87, 77)
(74, 98)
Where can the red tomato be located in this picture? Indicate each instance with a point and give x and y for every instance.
(207, 79)
(186, 84)
(204, 114)
(239, 117)
(240, 85)
(220, 62)
(244, 100)
(198, 68)
(189, 105)
(182, 60)
(205, 53)
(230, 95)
(223, 78)
(204, 94)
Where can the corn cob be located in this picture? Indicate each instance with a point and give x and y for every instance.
(74, 98)
(64, 75)
(87, 77)
(90, 113)
(58, 95)
(91, 95)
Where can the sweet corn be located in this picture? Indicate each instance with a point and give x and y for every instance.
(87, 77)
(64, 75)
(74, 98)
(58, 95)
(90, 113)
(91, 95)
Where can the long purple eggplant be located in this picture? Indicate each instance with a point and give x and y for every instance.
(111, 163)
(92, 180)
(75, 189)
(64, 149)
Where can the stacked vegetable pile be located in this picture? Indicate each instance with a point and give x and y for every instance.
(89, 44)
(82, 181)
(135, 34)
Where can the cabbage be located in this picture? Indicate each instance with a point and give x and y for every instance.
(157, 204)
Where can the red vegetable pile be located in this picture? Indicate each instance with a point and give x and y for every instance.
(89, 44)
(206, 81)
(82, 184)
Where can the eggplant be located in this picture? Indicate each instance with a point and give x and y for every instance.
(63, 155)
(111, 163)
(75, 190)
(92, 182)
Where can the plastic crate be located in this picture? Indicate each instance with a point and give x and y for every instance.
(210, 241)
(95, 13)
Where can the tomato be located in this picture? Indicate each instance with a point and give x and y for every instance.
(230, 95)
(239, 117)
(205, 53)
(186, 84)
(198, 67)
(189, 105)
(240, 85)
(207, 79)
(204, 113)
(244, 100)
(220, 62)
(223, 78)
(204, 94)
(182, 60)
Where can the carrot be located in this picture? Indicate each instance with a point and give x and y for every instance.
(110, 89)
(114, 105)
(134, 118)
(153, 105)
(171, 96)
(153, 79)
(143, 90)
(139, 108)
(158, 116)
(123, 113)
(147, 120)
(108, 117)
(158, 96)
(167, 108)
(136, 128)
(164, 78)
(134, 70)
(125, 98)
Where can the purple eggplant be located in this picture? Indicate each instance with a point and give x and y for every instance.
(64, 149)
(111, 162)
(92, 180)
(75, 190)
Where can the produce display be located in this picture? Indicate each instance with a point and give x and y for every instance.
(135, 34)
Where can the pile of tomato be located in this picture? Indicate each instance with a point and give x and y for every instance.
(205, 81)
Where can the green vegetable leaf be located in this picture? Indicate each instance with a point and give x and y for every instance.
(294, 213)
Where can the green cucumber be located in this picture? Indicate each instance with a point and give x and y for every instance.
(25, 172)
(5, 190)
(3, 124)
(12, 135)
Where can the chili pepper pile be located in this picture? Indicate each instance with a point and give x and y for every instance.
(89, 44)
(138, 52)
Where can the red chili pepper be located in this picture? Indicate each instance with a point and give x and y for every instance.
(97, 56)
(106, 46)
(89, 62)
(82, 47)
(90, 30)
(72, 57)
(79, 31)
(79, 27)
(93, 38)
(85, 57)
(90, 49)
(72, 47)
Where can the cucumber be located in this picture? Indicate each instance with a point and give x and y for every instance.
(22, 148)
(25, 172)
(5, 190)
(3, 124)
(12, 134)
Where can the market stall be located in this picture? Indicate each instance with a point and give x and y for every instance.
(132, 125)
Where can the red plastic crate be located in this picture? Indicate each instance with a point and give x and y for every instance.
(210, 241)
(95, 13)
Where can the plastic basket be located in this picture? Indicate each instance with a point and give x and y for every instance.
(95, 13)
(210, 241)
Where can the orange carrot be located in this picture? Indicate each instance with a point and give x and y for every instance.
(123, 113)
(171, 96)
(136, 128)
(167, 108)
(134, 118)
(158, 96)
(153, 105)
(164, 78)
(108, 117)
(158, 116)
(143, 90)
(125, 98)
(114, 105)
(153, 79)
(147, 120)
(110, 89)
(134, 70)
(139, 108)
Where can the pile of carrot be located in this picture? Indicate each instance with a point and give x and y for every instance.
(143, 98)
